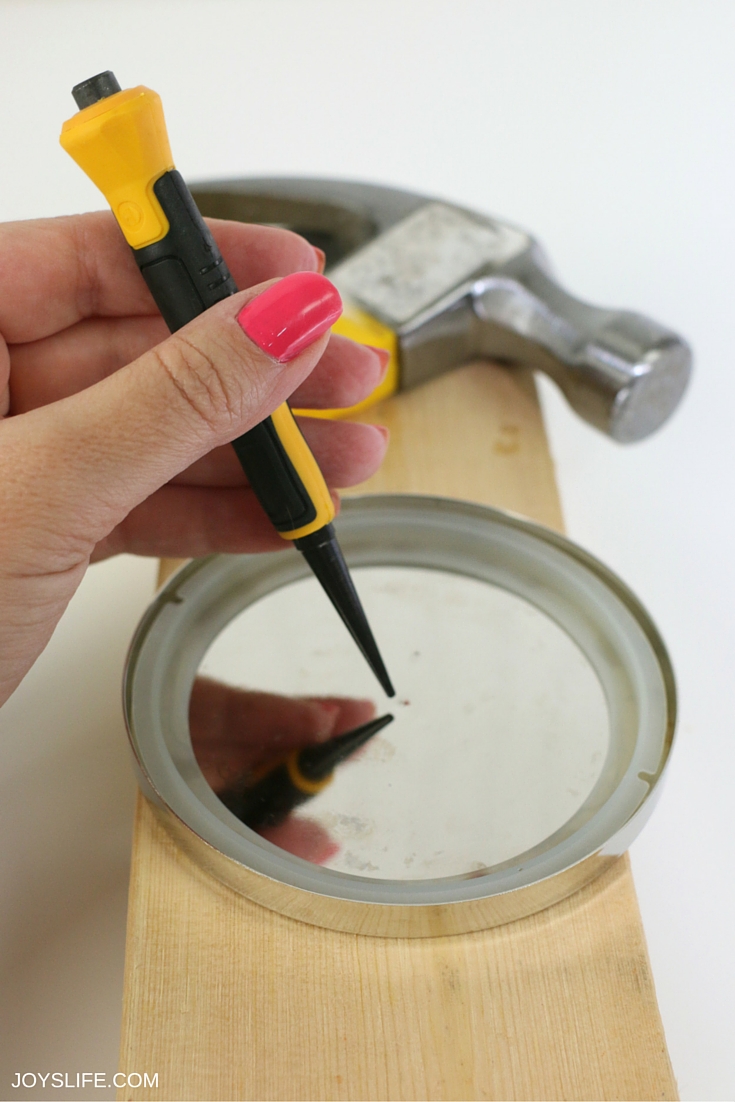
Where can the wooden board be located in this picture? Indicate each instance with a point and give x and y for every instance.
(226, 1000)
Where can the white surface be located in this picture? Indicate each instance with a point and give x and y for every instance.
(606, 129)
(65, 822)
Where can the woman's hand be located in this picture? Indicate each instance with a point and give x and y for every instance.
(116, 436)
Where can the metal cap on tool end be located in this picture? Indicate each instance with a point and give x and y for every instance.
(95, 88)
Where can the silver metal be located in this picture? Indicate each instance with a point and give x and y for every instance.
(456, 285)
(549, 576)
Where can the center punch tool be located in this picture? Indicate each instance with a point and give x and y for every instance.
(119, 139)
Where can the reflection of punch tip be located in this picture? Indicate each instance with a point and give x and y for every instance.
(317, 762)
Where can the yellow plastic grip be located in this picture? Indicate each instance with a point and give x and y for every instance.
(308, 471)
(361, 327)
(122, 145)
(298, 780)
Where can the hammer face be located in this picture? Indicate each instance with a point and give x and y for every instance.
(429, 255)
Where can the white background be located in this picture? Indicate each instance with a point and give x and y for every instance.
(604, 127)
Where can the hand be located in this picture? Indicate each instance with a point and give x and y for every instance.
(238, 733)
(115, 436)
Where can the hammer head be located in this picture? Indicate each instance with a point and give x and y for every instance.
(453, 285)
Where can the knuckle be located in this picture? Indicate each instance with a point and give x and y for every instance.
(86, 277)
(201, 379)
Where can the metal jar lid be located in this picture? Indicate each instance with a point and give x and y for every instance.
(547, 721)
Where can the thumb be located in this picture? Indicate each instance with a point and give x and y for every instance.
(88, 460)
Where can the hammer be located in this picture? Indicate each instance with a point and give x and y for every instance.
(440, 285)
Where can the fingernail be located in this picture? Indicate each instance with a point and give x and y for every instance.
(291, 314)
(325, 716)
(383, 355)
(321, 258)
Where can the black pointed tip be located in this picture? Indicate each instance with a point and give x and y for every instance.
(323, 554)
(317, 762)
(370, 650)
(361, 734)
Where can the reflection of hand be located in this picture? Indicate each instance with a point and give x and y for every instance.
(236, 733)
(109, 444)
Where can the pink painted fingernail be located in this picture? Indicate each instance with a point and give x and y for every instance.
(291, 314)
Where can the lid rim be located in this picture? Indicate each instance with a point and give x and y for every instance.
(485, 891)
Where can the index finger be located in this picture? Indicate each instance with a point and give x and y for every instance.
(56, 271)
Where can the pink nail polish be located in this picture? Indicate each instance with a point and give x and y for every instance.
(291, 314)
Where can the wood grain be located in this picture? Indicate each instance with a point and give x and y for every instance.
(226, 1000)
